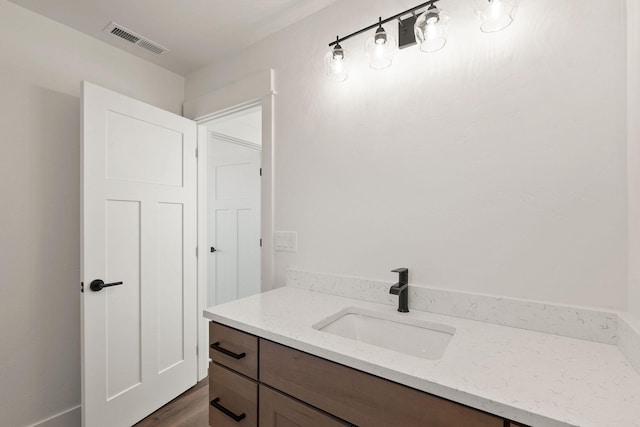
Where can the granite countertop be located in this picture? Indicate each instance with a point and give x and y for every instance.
(534, 378)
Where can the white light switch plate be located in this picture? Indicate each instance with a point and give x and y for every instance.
(285, 241)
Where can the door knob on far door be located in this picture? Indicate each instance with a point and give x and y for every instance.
(213, 249)
(98, 284)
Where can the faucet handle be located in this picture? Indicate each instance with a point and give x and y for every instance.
(404, 275)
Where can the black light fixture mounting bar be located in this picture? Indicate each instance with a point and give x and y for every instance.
(384, 21)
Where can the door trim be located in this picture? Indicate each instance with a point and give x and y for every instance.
(258, 89)
(233, 140)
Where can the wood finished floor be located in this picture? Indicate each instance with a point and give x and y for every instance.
(190, 409)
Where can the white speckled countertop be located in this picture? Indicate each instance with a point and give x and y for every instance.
(530, 377)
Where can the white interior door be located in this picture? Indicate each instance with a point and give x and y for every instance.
(139, 228)
(234, 221)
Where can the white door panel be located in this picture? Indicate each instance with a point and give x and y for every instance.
(223, 260)
(141, 151)
(122, 303)
(171, 289)
(248, 256)
(233, 181)
(138, 227)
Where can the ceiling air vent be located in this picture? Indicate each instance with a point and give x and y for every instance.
(133, 38)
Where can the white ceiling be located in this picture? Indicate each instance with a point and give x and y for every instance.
(195, 31)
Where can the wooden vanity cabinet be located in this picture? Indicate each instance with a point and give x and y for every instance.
(233, 375)
(256, 382)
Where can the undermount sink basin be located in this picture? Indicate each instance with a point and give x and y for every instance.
(394, 332)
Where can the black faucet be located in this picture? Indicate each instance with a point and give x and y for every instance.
(401, 289)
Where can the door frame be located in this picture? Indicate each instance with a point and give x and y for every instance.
(258, 89)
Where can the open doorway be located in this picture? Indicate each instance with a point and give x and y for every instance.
(255, 90)
(234, 170)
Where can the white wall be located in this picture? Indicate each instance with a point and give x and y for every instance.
(41, 66)
(633, 138)
(496, 165)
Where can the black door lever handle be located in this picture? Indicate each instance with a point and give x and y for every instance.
(98, 284)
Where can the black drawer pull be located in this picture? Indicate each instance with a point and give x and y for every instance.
(216, 346)
(228, 413)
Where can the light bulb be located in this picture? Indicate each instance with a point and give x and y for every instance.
(381, 36)
(338, 66)
(431, 29)
(335, 64)
(381, 49)
(495, 15)
(496, 8)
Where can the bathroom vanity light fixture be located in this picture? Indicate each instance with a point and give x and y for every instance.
(428, 28)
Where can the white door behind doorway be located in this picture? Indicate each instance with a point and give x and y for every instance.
(234, 219)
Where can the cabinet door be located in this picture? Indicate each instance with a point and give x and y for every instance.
(233, 399)
(278, 410)
(234, 349)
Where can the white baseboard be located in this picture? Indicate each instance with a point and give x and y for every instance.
(71, 417)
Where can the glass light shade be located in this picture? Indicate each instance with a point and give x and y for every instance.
(431, 29)
(495, 15)
(335, 65)
(381, 50)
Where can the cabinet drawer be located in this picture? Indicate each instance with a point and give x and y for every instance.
(360, 398)
(234, 349)
(278, 410)
(233, 399)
